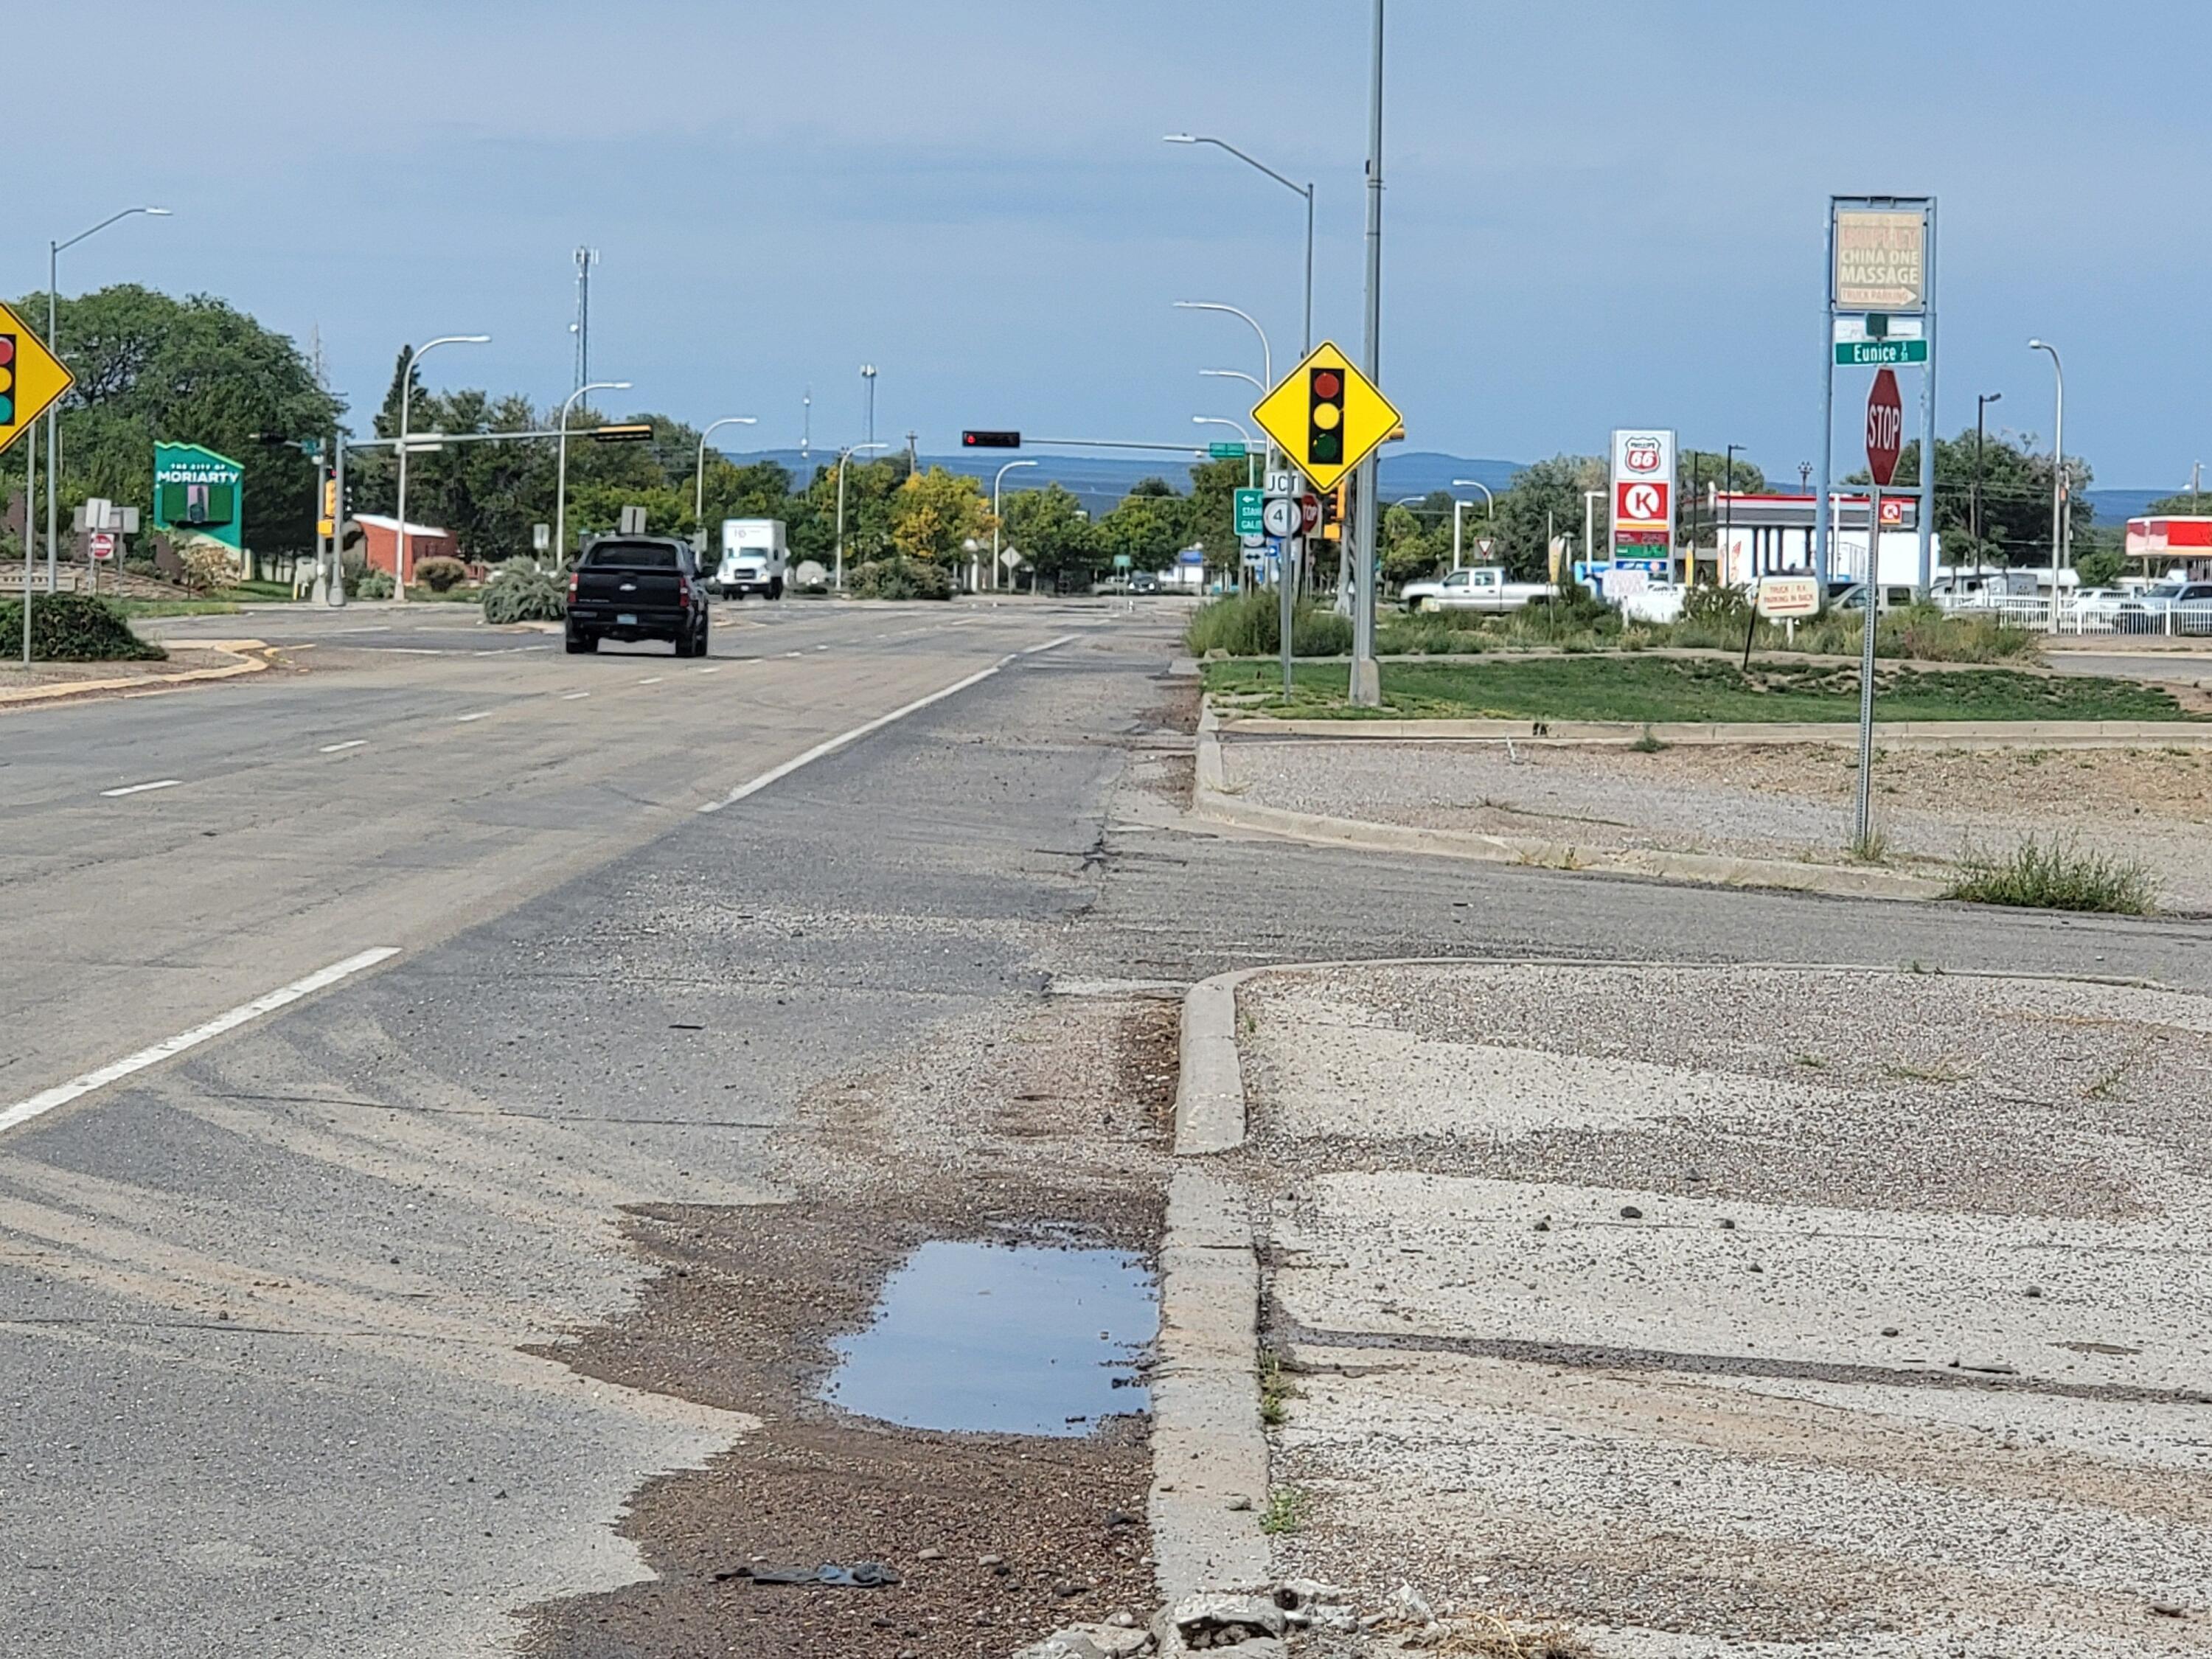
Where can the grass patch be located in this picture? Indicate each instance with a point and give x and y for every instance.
(1644, 689)
(1285, 1512)
(2055, 875)
(1251, 625)
(1648, 744)
(1275, 1390)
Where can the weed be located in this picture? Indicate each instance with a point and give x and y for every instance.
(1813, 1062)
(1872, 847)
(1285, 1512)
(2103, 1088)
(1648, 744)
(1275, 1390)
(2055, 875)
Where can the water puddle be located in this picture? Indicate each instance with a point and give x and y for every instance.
(1002, 1338)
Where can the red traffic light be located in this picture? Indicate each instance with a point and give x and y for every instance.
(990, 440)
(1327, 383)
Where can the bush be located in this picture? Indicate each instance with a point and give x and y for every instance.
(2055, 875)
(519, 592)
(1250, 625)
(74, 628)
(440, 574)
(370, 584)
(901, 578)
(207, 566)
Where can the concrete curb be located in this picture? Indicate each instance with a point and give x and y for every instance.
(1213, 803)
(150, 683)
(1209, 1111)
(1895, 734)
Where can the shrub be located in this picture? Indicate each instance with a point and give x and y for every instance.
(2055, 875)
(901, 578)
(207, 565)
(1250, 625)
(74, 628)
(440, 574)
(372, 585)
(519, 592)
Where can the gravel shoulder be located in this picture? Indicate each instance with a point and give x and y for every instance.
(1769, 801)
(1836, 1312)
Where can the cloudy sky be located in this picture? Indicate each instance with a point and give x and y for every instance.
(1598, 213)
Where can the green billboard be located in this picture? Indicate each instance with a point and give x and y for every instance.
(197, 492)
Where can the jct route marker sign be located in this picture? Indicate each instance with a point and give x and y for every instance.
(30, 377)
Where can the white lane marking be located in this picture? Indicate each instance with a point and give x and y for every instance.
(61, 1094)
(141, 788)
(339, 748)
(653, 679)
(381, 628)
(801, 654)
(754, 785)
(410, 650)
(821, 648)
(716, 669)
(571, 697)
(463, 719)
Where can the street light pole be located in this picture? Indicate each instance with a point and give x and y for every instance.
(1728, 521)
(54, 252)
(1491, 515)
(1366, 690)
(844, 455)
(1590, 499)
(699, 477)
(407, 395)
(868, 376)
(995, 482)
(561, 468)
(1305, 190)
(1982, 401)
(2057, 476)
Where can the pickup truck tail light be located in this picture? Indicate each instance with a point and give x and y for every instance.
(572, 576)
(684, 592)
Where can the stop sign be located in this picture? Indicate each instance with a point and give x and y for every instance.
(1885, 428)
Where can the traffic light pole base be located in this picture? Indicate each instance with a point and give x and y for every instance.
(1366, 683)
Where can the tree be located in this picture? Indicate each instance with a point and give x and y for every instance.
(1149, 526)
(2100, 567)
(1417, 538)
(935, 513)
(1054, 534)
(150, 368)
(2015, 498)
(1545, 500)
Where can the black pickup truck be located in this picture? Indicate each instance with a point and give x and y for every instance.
(637, 587)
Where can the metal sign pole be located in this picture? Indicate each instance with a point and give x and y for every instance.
(337, 522)
(30, 496)
(1823, 528)
(1872, 593)
(1927, 414)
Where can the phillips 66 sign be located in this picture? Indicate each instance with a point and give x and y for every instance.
(1643, 492)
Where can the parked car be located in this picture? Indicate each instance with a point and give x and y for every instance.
(2167, 607)
(637, 587)
(1477, 587)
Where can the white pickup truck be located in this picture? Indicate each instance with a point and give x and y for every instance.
(1479, 588)
(754, 559)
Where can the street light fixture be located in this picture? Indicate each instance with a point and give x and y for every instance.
(844, 455)
(995, 482)
(406, 394)
(699, 477)
(560, 470)
(54, 251)
(1215, 420)
(1267, 352)
(1304, 189)
(1460, 506)
(2057, 476)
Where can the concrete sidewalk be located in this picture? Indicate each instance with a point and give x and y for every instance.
(1822, 1312)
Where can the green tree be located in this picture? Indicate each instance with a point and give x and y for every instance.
(1417, 537)
(1545, 500)
(2016, 482)
(150, 368)
(2100, 567)
(1054, 534)
(1149, 526)
(934, 514)
(1210, 520)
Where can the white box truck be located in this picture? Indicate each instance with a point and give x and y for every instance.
(754, 558)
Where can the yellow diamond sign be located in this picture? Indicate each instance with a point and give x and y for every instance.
(1326, 416)
(30, 377)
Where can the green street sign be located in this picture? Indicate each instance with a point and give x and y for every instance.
(1234, 451)
(1251, 512)
(1122, 562)
(1880, 354)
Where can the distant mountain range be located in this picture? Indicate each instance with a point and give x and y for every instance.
(1102, 481)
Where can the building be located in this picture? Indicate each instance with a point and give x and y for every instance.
(2176, 544)
(1772, 536)
(379, 543)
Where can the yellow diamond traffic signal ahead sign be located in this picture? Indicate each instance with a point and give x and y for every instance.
(30, 377)
(1326, 416)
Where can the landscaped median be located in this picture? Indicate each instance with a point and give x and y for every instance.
(2082, 792)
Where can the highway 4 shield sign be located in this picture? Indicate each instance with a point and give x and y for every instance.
(30, 377)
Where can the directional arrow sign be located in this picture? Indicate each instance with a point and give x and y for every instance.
(1248, 508)
(1326, 416)
(30, 377)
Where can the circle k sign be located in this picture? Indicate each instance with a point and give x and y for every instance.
(1641, 503)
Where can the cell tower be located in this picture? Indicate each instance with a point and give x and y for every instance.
(582, 328)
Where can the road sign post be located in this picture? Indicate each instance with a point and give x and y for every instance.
(1884, 441)
(32, 379)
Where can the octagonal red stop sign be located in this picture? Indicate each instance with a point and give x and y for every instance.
(1885, 428)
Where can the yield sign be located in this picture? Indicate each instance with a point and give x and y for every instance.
(1326, 416)
(30, 377)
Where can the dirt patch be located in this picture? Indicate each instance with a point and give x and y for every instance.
(1047, 1131)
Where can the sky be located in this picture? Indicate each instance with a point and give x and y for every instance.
(1595, 214)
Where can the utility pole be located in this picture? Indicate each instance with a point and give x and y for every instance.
(868, 376)
(806, 424)
(913, 455)
(586, 259)
(1982, 401)
(1366, 687)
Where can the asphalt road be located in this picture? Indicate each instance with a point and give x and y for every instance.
(267, 1303)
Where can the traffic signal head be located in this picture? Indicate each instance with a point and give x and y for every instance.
(1325, 417)
(630, 432)
(7, 380)
(990, 440)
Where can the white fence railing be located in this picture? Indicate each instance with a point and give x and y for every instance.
(2106, 615)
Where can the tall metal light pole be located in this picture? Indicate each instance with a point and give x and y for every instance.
(699, 476)
(1304, 189)
(868, 379)
(1266, 354)
(844, 455)
(561, 468)
(1235, 427)
(54, 251)
(1982, 401)
(1366, 690)
(1490, 516)
(2057, 476)
(406, 396)
(995, 482)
